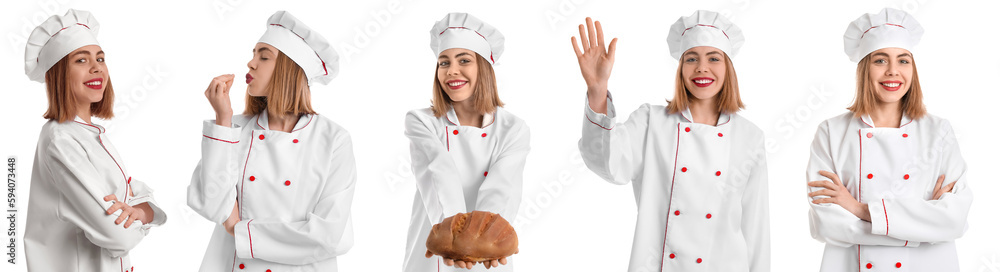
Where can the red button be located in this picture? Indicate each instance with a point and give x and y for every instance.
(905, 135)
(677, 212)
(484, 135)
(684, 169)
(241, 266)
(288, 183)
(252, 178)
(261, 137)
(455, 132)
(718, 173)
(870, 135)
(709, 216)
(698, 260)
(484, 173)
(672, 255)
(907, 176)
(869, 266)
(720, 134)
(898, 265)
(687, 129)
(870, 176)
(269, 270)
(295, 141)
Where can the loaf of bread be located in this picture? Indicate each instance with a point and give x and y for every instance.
(475, 237)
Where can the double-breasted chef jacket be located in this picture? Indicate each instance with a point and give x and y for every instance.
(294, 190)
(894, 171)
(701, 190)
(460, 169)
(68, 228)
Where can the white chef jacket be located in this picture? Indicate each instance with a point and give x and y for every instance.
(68, 228)
(894, 171)
(460, 169)
(294, 189)
(701, 190)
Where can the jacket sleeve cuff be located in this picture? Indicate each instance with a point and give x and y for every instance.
(244, 239)
(880, 218)
(219, 133)
(601, 120)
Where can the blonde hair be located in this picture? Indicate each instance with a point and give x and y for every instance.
(485, 98)
(62, 102)
(287, 92)
(728, 98)
(865, 100)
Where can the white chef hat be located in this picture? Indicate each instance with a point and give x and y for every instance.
(303, 45)
(461, 30)
(704, 28)
(55, 38)
(889, 28)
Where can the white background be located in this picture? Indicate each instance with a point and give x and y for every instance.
(792, 71)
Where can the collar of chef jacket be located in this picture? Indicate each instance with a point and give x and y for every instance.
(303, 121)
(723, 117)
(902, 122)
(488, 118)
(95, 128)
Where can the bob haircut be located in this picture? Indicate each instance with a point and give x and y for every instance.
(728, 99)
(287, 92)
(62, 102)
(484, 97)
(865, 100)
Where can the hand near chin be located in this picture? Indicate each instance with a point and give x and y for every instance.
(218, 95)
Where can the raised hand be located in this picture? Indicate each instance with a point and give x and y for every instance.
(218, 95)
(595, 62)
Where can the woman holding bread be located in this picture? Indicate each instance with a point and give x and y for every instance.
(467, 152)
(697, 168)
(887, 182)
(279, 178)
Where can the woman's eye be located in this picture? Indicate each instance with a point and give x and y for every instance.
(465, 61)
(81, 61)
(880, 61)
(904, 61)
(690, 60)
(714, 59)
(100, 59)
(443, 64)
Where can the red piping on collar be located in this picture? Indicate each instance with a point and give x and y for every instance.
(99, 129)
(307, 124)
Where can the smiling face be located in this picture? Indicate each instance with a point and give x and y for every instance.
(457, 72)
(261, 69)
(890, 73)
(87, 74)
(703, 70)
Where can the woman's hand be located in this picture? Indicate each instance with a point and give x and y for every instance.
(839, 195)
(939, 191)
(218, 95)
(468, 265)
(595, 63)
(142, 212)
(234, 217)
